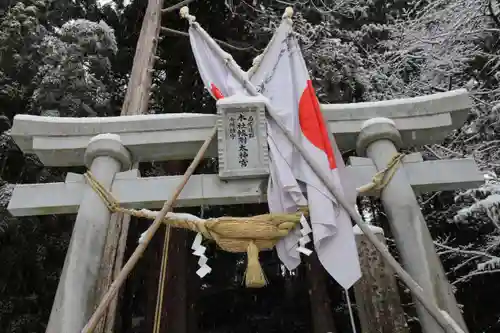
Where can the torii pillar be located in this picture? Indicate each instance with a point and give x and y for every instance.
(379, 139)
(75, 296)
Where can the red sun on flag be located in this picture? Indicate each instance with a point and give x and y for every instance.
(312, 123)
(215, 91)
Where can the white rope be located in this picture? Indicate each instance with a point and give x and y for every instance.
(351, 314)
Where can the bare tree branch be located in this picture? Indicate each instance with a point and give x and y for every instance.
(176, 6)
(472, 274)
(462, 251)
(222, 43)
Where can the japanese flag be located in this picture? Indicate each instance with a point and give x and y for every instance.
(281, 75)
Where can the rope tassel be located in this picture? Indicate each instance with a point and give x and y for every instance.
(254, 275)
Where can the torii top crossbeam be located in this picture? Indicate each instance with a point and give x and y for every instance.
(420, 120)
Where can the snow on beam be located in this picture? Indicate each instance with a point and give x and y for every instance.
(420, 120)
(64, 198)
(151, 192)
(444, 175)
(425, 177)
(445, 102)
(59, 141)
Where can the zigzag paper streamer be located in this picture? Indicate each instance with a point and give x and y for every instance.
(199, 251)
(305, 231)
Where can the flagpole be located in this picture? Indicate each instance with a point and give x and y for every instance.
(443, 318)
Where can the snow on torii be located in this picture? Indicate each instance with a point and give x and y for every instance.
(63, 142)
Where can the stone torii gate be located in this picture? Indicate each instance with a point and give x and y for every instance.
(84, 141)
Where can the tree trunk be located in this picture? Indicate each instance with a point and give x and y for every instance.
(321, 312)
(136, 102)
(175, 304)
(125, 321)
(193, 287)
(377, 297)
(175, 308)
(153, 259)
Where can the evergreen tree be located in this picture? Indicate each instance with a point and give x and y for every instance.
(73, 58)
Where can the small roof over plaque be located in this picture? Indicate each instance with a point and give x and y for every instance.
(241, 100)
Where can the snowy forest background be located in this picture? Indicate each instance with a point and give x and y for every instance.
(73, 57)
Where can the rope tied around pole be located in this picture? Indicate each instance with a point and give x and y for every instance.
(382, 178)
(232, 234)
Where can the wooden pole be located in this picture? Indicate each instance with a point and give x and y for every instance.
(139, 86)
(135, 103)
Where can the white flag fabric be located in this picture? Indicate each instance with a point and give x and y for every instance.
(284, 193)
(216, 77)
(282, 76)
(220, 82)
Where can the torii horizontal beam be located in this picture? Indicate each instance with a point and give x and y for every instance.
(62, 141)
(134, 192)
